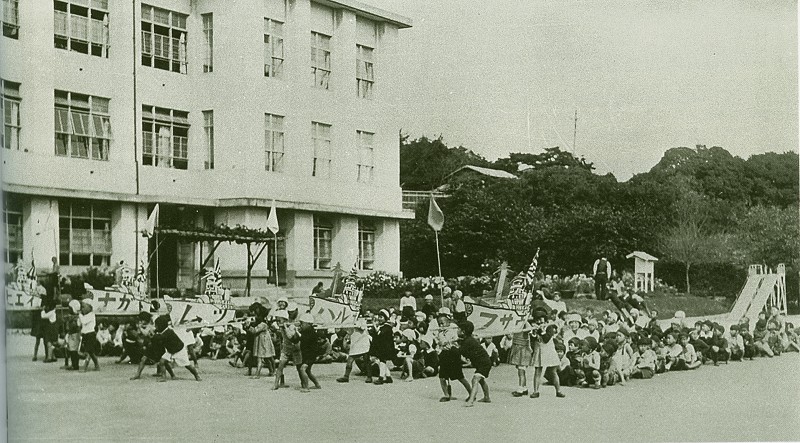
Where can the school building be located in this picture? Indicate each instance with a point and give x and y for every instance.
(212, 109)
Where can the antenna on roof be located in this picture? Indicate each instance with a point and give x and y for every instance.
(574, 131)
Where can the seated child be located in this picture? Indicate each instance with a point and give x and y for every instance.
(609, 373)
(761, 337)
(565, 373)
(673, 350)
(718, 346)
(575, 356)
(699, 345)
(591, 363)
(792, 338)
(774, 338)
(735, 343)
(646, 362)
(688, 358)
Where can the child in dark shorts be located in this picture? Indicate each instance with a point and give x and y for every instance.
(449, 356)
(477, 355)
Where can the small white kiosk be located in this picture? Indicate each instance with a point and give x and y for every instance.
(644, 276)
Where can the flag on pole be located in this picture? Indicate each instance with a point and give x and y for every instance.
(272, 220)
(435, 215)
(531, 274)
(152, 222)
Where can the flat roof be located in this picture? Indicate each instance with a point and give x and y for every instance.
(370, 12)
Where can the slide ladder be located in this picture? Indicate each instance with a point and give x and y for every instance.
(745, 298)
(763, 288)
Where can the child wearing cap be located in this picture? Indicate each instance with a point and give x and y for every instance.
(573, 328)
(428, 308)
(476, 354)
(360, 341)
(383, 348)
(408, 350)
(459, 308)
(449, 355)
(308, 351)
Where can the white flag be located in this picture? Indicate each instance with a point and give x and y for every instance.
(272, 220)
(152, 222)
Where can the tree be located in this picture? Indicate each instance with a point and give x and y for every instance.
(769, 235)
(425, 163)
(551, 157)
(690, 240)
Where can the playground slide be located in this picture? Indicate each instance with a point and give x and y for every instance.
(764, 292)
(745, 297)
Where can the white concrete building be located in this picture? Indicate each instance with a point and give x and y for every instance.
(213, 109)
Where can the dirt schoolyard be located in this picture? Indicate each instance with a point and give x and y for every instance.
(742, 401)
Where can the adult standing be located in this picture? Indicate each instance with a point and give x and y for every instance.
(602, 272)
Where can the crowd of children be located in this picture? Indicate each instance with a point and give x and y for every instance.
(566, 349)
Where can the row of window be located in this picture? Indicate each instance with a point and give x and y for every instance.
(85, 235)
(83, 130)
(83, 26)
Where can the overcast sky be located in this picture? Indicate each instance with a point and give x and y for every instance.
(644, 76)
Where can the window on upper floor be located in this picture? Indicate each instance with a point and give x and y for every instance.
(323, 242)
(164, 39)
(321, 33)
(208, 37)
(10, 109)
(11, 18)
(321, 139)
(366, 245)
(84, 233)
(366, 156)
(273, 48)
(82, 126)
(273, 142)
(81, 26)
(366, 41)
(12, 219)
(165, 137)
(208, 128)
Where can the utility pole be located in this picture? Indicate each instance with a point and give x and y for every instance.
(574, 131)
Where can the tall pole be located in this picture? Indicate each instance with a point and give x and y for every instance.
(276, 260)
(158, 271)
(575, 131)
(439, 262)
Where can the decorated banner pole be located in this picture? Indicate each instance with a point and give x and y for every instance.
(436, 221)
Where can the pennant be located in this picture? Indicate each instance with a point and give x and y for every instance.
(435, 215)
(531, 274)
(272, 220)
(152, 222)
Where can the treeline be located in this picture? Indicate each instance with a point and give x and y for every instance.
(705, 213)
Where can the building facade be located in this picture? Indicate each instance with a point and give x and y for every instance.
(211, 109)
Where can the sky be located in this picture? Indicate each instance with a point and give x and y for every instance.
(644, 76)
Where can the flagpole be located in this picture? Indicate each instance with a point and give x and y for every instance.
(276, 260)
(158, 280)
(439, 263)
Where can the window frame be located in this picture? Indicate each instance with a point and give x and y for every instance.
(323, 243)
(365, 71)
(172, 30)
(11, 19)
(18, 232)
(321, 71)
(153, 152)
(366, 168)
(208, 131)
(321, 165)
(273, 43)
(95, 255)
(69, 18)
(76, 124)
(208, 39)
(11, 131)
(366, 243)
(274, 131)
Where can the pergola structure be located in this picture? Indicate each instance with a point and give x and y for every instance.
(251, 238)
